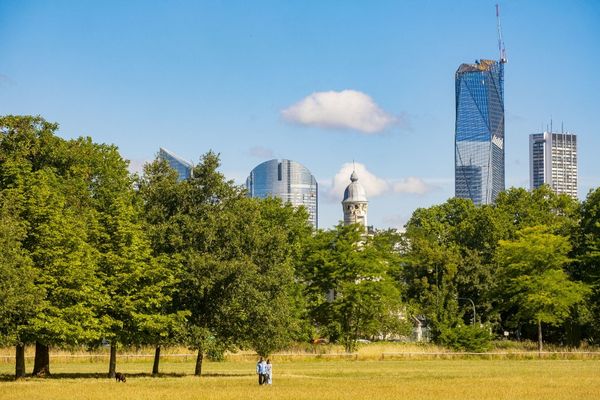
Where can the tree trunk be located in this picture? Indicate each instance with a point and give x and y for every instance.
(156, 360)
(41, 364)
(540, 343)
(112, 362)
(199, 359)
(20, 361)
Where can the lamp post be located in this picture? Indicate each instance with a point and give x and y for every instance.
(474, 312)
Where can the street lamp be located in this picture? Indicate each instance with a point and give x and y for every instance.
(474, 312)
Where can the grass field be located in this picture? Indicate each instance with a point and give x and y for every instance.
(316, 379)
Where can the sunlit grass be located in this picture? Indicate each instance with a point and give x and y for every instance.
(316, 379)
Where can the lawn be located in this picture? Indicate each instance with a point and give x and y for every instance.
(317, 379)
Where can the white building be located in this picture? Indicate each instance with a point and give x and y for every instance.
(355, 203)
(553, 161)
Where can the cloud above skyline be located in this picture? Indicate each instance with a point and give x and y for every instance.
(347, 109)
(374, 186)
(412, 185)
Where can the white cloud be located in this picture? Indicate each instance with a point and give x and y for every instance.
(412, 185)
(374, 186)
(348, 109)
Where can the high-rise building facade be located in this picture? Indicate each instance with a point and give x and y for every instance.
(288, 180)
(553, 161)
(183, 167)
(479, 131)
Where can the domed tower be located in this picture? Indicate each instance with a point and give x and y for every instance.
(355, 203)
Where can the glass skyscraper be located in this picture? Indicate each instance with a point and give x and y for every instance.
(288, 180)
(183, 167)
(479, 131)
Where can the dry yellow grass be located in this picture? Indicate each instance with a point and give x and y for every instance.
(318, 379)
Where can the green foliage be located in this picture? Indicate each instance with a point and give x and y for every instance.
(19, 296)
(533, 282)
(587, 267)
(470, 338)
(233, 257)
(348, 287)
(47, 179)
(88, 252)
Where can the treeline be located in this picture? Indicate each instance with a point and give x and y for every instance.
(90, 253)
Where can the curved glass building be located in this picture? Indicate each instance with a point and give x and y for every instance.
(288, 180)
(479, 131)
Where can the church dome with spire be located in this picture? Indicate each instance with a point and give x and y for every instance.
(354, 191)
(355, 202)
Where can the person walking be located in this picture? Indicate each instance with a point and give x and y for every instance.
(261, 370)
(269, 372)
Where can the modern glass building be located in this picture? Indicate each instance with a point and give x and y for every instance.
(553, 161)
(479, 131)
(288, 180)
(183, 167)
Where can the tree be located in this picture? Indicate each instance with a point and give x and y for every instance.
(520, 208)
(448, 255)
(136, 286)
(233, 257)
(160, 200)
(349, 289)
(19, 297)
(46, 176)
(587, 254)
(533, 279)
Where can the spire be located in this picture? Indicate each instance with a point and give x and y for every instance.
(353, 177)
(501, 48)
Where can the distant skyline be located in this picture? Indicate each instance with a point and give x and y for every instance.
(322, 83)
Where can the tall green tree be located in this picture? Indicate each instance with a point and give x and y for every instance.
(533, 279)
(43, 174)
(136, 286)
(587, 253)
(448, 261)
(159, 203)
(19, 297)
(233, 257)
(348, 284)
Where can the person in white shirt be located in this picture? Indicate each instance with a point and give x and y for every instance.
(269, 372)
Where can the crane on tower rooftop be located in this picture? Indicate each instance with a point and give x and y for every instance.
(501, 48)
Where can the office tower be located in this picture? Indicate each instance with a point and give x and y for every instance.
(553, 161)
(479, 131)
(183, 167)
(355, 203)
(479, 128)
(288, 180)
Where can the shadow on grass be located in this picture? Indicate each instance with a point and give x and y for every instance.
(97, 375)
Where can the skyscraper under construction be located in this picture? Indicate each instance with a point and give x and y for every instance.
(479, 129)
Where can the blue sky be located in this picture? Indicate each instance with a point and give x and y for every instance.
(237, 77)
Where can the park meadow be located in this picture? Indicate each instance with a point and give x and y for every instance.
(376, 371)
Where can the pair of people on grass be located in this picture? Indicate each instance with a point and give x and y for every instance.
(264, 369)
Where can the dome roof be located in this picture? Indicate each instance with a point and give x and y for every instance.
(354, 192)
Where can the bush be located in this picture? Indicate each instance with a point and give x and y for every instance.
(473, 338)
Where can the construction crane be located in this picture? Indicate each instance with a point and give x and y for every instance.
(501, 48)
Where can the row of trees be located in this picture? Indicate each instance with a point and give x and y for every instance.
(90, 253)
(528, 260)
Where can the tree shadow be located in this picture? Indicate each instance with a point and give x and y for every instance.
(99, 375)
